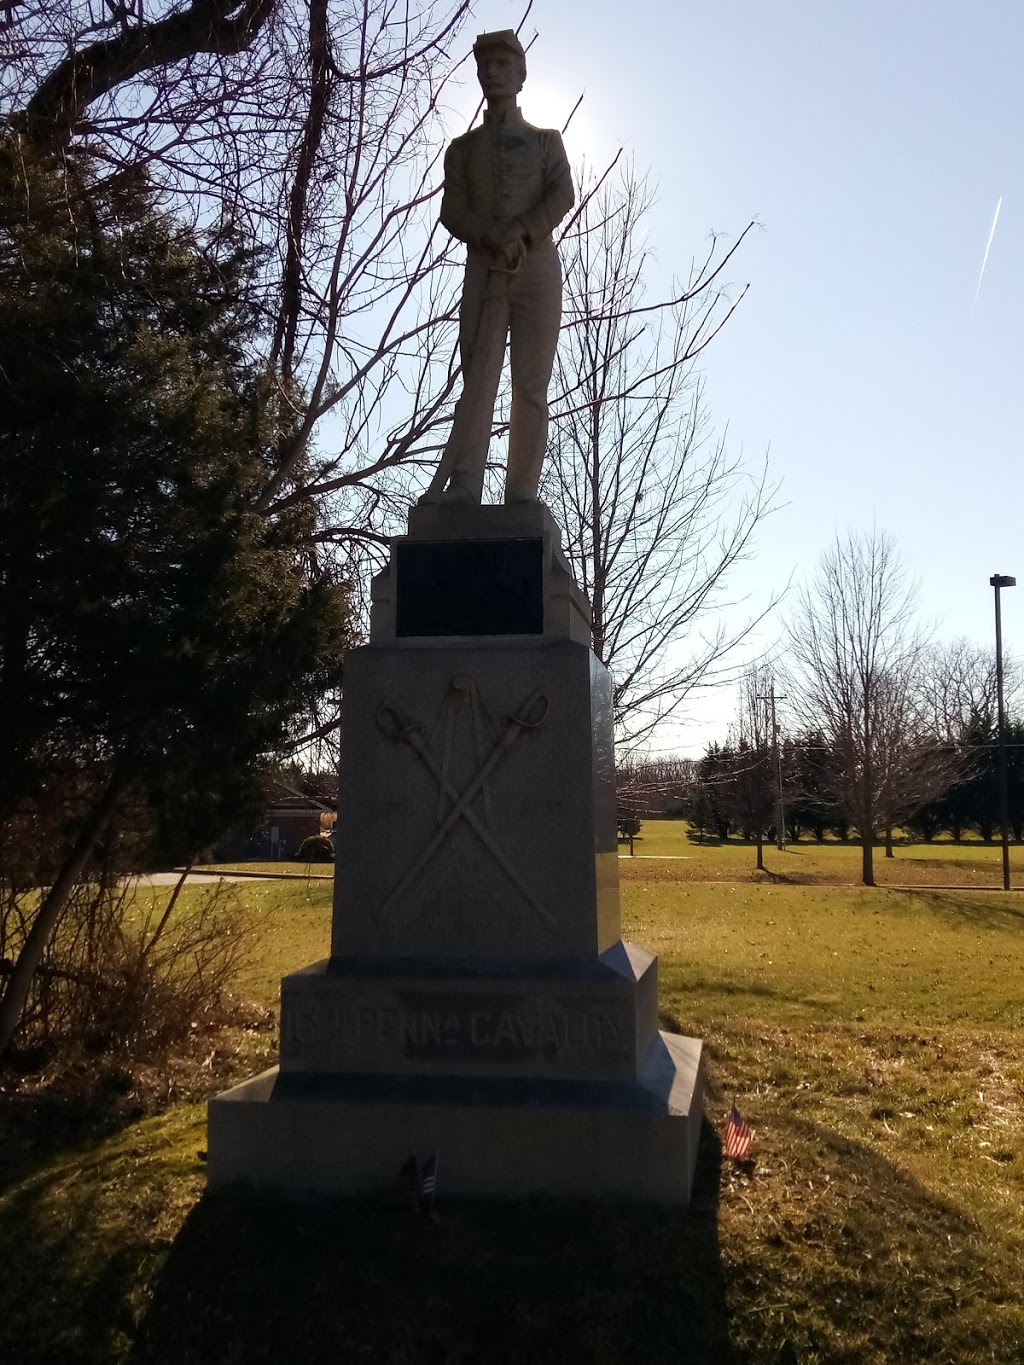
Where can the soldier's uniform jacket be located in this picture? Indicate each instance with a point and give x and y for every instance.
(502, 172)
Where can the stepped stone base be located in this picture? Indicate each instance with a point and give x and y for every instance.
(479, 1003)
(349, 1135)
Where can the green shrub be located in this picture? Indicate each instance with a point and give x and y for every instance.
(318, 848)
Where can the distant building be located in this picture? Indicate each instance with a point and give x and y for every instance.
(288, 819)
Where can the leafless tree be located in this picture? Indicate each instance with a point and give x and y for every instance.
(957, 700)
(315, 128)
(655, 509)
(857, 655)
(653, 786)
(958, 689)
(916, 767)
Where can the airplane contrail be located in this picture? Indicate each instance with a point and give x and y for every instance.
(988, 248)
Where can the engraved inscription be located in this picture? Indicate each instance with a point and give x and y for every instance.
(542, 808)
(391, 807)
(469, 1029)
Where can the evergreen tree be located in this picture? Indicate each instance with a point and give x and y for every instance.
(709, 806)
(813, 805)
(1015, 778)
(157, 635)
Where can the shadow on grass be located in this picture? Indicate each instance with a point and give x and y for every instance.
(783, 878)
(35, 1128)
(840, 1255)
(676, 1022)
(66, 1287)
(833, 1253)
(971, 909)
(252, 1279)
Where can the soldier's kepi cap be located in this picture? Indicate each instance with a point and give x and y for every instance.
(501, 37)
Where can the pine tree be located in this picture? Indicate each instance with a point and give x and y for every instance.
(157, 635)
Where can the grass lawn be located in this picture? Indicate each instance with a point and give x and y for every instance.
(872, 1037)
(967, 864)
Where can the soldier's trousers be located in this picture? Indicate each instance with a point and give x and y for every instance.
(526, 308)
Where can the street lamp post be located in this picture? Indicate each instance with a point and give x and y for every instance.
(997, 581)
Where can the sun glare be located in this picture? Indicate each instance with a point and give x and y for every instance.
(547, 107)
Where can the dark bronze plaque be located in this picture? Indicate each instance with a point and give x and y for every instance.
(470, 587)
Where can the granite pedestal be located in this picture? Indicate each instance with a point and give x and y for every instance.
(479, 1001)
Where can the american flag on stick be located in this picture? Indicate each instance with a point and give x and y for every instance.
(409, 1184)
(738, 1135)
(428, 1182)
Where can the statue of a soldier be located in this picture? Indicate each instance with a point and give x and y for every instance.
(507, 185)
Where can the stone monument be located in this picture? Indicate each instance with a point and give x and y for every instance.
(479, 1002)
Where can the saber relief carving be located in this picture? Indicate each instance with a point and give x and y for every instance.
(491, 745)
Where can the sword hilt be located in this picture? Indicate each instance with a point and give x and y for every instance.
(397, 725)
(531, 713)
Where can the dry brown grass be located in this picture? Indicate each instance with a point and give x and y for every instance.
(871, 1037)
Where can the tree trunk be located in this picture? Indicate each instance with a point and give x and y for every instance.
(867, 850)
(309, 147)
(168, 911)
(12, 1006)
(867, 822)
(760, 852)
(888, 842)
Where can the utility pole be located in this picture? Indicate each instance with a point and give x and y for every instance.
(997, 581)
(780, 828)
(780, 810)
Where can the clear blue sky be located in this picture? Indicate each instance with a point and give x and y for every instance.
(872, 141)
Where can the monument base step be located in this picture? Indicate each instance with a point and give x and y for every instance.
(566, 1020)
(494, 1138)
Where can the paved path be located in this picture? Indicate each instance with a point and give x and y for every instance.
(172, 878)
(936, 886)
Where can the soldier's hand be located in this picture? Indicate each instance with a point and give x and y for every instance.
(503, 237)
(512, 254)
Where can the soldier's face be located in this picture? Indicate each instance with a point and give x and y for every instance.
(499, 73)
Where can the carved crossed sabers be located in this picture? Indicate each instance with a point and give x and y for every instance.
(399, 727)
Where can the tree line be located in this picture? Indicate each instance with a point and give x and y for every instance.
(734, 792)
(861, 726)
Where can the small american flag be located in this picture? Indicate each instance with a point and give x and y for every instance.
(409, 1183)
(428, 1182)
(738, 1135)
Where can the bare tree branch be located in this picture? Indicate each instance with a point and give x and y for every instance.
(655, 511)
(219, 27)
